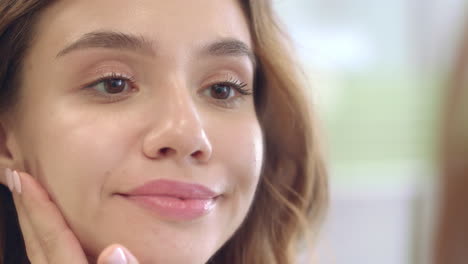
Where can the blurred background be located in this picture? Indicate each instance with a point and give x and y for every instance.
(377, 71)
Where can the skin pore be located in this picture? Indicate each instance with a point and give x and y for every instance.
(118, 93)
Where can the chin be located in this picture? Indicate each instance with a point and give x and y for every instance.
(171, 258)
(171, 250)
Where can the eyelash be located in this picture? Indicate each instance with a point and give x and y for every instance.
(231, 81)
(107, 77)
(237, 85)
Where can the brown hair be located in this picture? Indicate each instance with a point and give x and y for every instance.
(452, 232)
(292, 192)
(16, 25)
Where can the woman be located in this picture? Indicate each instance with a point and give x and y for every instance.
(174, 131)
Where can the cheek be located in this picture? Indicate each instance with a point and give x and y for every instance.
(74, 154)
(238, 148)
(246, 153)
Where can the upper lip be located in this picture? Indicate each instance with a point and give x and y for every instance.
(162, 187)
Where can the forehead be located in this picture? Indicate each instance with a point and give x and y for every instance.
(170, 24)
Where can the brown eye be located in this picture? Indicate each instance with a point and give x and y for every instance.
(221, 91)
(114, 86)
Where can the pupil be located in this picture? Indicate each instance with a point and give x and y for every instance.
(220, 91)
(115, 86)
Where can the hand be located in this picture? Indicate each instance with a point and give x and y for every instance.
(47, 237)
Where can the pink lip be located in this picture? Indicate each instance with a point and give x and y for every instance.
(174, 200)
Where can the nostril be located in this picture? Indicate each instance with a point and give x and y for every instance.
(166, 151)
(197, 154)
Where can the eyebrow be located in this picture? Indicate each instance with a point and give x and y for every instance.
(230, 47)
(125, 41)
(110, 40)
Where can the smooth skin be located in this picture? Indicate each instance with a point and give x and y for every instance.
(185, 113)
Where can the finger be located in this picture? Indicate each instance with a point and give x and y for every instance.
(57, 241)
(116, 254)
(33, 247)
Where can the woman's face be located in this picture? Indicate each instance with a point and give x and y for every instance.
(118, 93)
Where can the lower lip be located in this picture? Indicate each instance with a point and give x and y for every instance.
(173, 208)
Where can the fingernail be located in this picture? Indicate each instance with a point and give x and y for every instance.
(16, 181)
(9, 179)
(117, 257)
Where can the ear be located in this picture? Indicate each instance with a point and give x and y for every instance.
(7, 145)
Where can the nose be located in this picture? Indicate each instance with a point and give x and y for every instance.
(177, 132)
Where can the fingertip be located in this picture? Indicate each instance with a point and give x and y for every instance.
(17, 181)
(116, 254)
(25, 183)
(11, 179)
(131, 258)
(6, 179)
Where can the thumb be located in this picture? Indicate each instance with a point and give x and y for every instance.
(116, 254)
